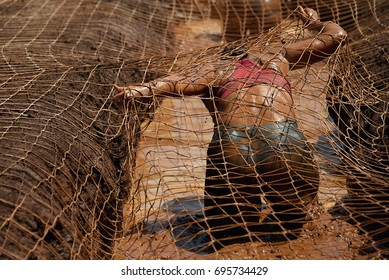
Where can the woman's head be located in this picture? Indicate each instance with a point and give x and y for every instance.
(233, 51)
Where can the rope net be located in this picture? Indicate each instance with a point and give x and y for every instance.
(82, 177)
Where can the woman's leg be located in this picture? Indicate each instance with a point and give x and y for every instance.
(232, 202)
(242, 165)
(291, 179)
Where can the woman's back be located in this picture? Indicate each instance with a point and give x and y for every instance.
(256, 94)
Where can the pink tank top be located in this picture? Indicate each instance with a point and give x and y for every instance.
(249, 74)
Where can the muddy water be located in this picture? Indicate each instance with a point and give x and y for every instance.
(177, 231)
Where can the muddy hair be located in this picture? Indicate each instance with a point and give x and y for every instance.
(231, 51)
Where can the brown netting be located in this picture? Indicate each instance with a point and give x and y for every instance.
(83, 178)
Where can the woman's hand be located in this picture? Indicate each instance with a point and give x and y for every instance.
(309, 17)
(129, 92)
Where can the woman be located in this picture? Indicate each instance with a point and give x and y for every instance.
(257, 149)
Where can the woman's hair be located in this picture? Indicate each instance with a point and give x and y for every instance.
(231, 51)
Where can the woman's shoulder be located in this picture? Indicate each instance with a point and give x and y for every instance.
(269, 60)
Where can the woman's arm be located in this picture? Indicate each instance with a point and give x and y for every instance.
(327, 38)
(197, 82)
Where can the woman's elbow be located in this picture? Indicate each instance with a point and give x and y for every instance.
(340, 36)
(337, 33)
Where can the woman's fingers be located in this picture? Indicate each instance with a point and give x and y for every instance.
(308, 15)
(118, 98)
(311, 14)
(300, 10)
(118, 89)
(129, 92)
